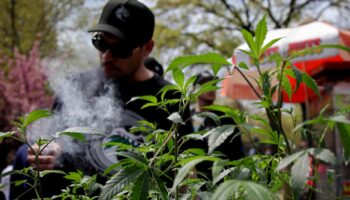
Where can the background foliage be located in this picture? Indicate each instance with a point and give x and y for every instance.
(25, 21)
(198, 26)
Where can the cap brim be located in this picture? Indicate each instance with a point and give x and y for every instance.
(108, 29)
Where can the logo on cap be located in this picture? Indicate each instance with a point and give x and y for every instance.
(122, 13)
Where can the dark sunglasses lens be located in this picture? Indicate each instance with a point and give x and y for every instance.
(100, 44)
(120, 51)
(117, 50)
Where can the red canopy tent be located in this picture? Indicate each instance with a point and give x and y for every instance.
(320, 65)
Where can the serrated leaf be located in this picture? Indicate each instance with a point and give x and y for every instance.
(168, 88)
(190, 82)
(324, 155)
(311, 83)
(298, 76)
(243, 65)
(184, 170)
(287, 86)
(80, 132)
(195, 136)
(137, 159)
(226, 189)
(344, 133)
(289, 159)
(74, 135)
(35, 115)
(269, 44)
(256, 192)
(277, 58)
(216, 67)
(111, 168)
(225, 109)
(175, 117)
(299, 174)
(340, 119)
(171, 101)
(46, 172)
(266, 84)
(74, 176)
(248, 37)
(248, 53)
(9, 173)
(42, 141)
(259, 118)
(222, 175)
(204, 89)
(5, 135)
(218, 166)
(118, 182)
(261, 131)
(146, 105)
(179, 77)
(20, 182)
(211, 115)
(260, 34)
(140, 189)
(160, 186)
(185, 61)
(218, 135)
(148, 98)
(312, 49)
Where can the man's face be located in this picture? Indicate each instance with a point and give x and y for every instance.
(208, 97)
(116, 67)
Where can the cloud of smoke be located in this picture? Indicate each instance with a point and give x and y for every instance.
(85, 99)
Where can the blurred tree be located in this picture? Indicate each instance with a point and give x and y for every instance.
(24, 88)
(196, 26)
(25, 21)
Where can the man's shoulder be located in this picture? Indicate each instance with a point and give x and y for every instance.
(158, 80)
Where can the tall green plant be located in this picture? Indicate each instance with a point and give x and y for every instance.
(32, 173)
(161, 169)
(254, 177)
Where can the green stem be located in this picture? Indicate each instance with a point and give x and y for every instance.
(249, 83)
(161, 148)
(276, 126)
(279, 101)
(176, 156)
(322, 136)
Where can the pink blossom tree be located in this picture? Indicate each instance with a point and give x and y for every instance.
(23, 86)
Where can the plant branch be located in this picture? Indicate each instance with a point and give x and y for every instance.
(161, 148)
(249, 83)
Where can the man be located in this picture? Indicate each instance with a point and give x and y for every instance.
(231, 148)
(124, 38)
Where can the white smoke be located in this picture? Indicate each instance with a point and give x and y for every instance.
(86, 99)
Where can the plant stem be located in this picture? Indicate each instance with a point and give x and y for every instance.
(249, 83)
(161, 148)
(176, 155)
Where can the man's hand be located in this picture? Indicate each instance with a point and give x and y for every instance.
(47, 159)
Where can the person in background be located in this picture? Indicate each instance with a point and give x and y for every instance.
(124, 38)
(232, 148)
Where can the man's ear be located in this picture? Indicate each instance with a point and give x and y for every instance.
(149, 47)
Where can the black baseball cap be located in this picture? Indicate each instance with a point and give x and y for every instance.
(129, 20)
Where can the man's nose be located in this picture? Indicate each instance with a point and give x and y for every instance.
(106, 55)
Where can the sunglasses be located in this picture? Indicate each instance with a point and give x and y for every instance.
(118, 50)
